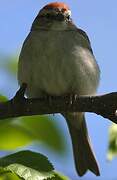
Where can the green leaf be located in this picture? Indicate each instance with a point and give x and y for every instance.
(29, 173)
(45, 130)
(6, 175)
(28, 165)
(13, 136)
(3, 98)
(112, 149)
(59, 176)
(28, 158)
(23, 131)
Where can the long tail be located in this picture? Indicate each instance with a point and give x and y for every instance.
(83, 153)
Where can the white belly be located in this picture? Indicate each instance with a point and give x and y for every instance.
(55, 63)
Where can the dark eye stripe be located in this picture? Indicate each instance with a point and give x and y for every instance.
(59, 16)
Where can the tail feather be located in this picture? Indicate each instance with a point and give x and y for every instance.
(83, 153)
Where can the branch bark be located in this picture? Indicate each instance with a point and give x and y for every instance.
(104, 105)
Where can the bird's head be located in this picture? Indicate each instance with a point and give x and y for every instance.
(53, 15)
(56, 11)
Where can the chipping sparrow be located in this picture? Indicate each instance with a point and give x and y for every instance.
(57, 59)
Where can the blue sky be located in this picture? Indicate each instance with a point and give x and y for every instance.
(99, 20)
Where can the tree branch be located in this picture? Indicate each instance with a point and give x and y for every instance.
(104, 105)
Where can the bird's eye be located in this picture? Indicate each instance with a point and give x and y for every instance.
(63, 10)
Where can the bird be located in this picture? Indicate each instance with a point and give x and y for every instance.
(57, 59)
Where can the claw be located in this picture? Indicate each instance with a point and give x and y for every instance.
(20, 93)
